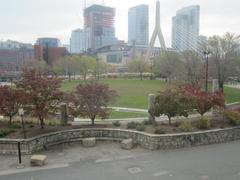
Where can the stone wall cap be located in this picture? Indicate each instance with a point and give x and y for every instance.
(111, 129)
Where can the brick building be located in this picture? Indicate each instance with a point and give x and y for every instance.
(49, 54)
(49, 50)
(13, 60)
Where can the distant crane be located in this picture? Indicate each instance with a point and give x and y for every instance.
(85, 3)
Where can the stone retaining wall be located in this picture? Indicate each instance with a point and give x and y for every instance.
(145, 140)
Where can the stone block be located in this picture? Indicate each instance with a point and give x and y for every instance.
(38, 160)
(89, 142)
(127, 144)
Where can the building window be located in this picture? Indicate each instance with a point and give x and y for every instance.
(114, 58)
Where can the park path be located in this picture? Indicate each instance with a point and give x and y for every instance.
(124, 109)
(79, 121)
(234, 86)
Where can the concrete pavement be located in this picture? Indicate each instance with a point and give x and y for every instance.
(108, 161)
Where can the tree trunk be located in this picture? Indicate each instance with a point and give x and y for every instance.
(69, 77)
(221, 86)
(141, 76)
(170, 121)
(41, 122)
(10, 120)
(93, 121)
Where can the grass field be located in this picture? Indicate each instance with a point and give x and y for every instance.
(232, 94)
(134, 93)
(120, 114)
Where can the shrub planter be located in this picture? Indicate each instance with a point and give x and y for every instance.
(145, 140)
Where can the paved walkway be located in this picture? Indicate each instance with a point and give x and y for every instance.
(234, 86)
(126, 120)
(79, 121)
(108, 161)
(124, 109)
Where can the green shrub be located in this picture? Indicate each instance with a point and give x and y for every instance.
(28, 122)
(204, 123)
(186, 126)
(233, 117)
(140, 127)
(52, 124)
(5, 132)
(177, 124)
(116, 123)
(15, 126)
(31, 126)
(132, 125)
(147, 122)
(160, 131)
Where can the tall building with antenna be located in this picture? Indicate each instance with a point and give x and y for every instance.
(185, 29)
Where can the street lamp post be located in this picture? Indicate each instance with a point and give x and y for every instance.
(151, 67)
(20, 165)
(21, 113)
(206, 54)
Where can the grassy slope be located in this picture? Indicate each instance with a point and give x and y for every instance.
(134, 93)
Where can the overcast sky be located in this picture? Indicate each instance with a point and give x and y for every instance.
(26, 20)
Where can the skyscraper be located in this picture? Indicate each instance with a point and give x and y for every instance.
(138, 25)
(185, 29)
(79, 41)
(99, 22)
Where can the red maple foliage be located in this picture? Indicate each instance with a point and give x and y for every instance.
(42, 91)
(11, 100)
(203, 101)
(91, 100)
(172, 102)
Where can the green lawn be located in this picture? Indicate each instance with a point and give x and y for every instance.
(120, 114)
(134, 93)
(232, 94)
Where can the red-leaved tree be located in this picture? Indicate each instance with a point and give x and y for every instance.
(203, 101)
(42, 91)
(11, 100)
(172, 102)
(91, 100)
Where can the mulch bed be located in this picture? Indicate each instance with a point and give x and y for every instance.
(34, 130)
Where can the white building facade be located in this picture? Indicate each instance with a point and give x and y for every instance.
(138, 25)
(79, 41)
(185, 29)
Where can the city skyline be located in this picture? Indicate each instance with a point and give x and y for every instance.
(23, 21)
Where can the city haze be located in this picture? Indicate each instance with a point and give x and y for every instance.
(26, 20)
